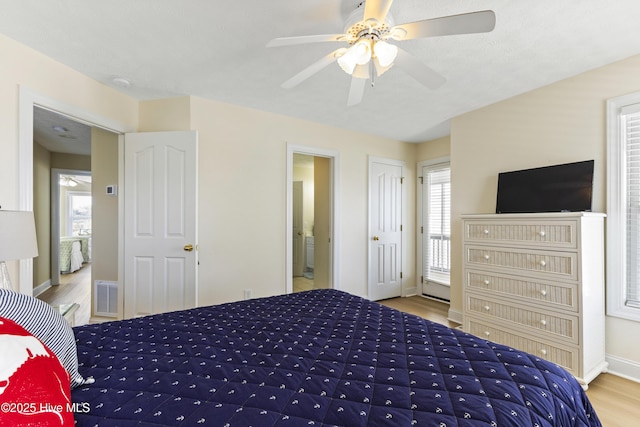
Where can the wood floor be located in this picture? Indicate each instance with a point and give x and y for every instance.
(301, 284)
(616, 400)
(74, 287)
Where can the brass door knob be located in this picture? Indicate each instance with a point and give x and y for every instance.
(188, 247)
(376, 238)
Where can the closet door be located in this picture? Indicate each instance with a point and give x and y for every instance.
(385, 229)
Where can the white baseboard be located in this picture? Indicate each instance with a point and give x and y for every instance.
(624, 368)
(38, 290)
(454, 316)
(410, 292)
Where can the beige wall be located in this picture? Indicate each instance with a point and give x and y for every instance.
(243, 173)
(165, 115)
(70, 161)
(560, 123)
(435, 149)
(105, 220)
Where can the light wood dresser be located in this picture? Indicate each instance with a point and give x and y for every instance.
(535, 282)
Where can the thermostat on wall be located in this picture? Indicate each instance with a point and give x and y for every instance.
(112, 190)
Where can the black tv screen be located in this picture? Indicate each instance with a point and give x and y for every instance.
(558, 188)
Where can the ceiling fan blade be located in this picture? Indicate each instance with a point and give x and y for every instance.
(356, 91)
(376, 9)
(290, 41)
(311, 69)
(466, 23)
(418, 70)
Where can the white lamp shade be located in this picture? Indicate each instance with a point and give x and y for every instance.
(17, 235)
(385, 52)
(358, 54)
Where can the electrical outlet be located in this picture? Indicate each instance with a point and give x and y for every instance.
(247, 294)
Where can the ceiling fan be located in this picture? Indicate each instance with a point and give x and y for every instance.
(369, 54)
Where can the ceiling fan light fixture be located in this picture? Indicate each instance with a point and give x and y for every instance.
(368, 55)
(397, 33)
(358, 54)
(66, 181)
(385, 52)
(346, 64)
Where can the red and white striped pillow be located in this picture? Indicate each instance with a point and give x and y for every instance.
(46, 324)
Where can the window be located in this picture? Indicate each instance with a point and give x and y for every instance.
(79, 216)
(623, 207)
(436, 223)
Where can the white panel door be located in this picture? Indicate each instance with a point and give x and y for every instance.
(160, 222)
(385, 233)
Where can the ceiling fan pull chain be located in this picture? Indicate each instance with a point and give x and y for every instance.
(372, 74)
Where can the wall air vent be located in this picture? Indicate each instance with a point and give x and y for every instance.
(106, 298)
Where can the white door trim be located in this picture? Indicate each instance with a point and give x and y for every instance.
(335, 208)
(27, 100)
(403, 165)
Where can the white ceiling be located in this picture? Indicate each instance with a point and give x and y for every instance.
(216, 50)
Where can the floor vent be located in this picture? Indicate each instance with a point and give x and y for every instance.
(106, 298)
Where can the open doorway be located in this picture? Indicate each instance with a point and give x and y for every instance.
(311, 219)
(69, 159)
(311, 182)
(62, 206)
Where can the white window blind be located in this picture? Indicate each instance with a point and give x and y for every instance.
(437, 223)
(631, 137)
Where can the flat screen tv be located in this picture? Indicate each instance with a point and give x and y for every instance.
(558, 188)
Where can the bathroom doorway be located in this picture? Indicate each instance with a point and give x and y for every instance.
(311, 221)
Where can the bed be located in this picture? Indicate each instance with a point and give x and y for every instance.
(70, 259)
(321, 357)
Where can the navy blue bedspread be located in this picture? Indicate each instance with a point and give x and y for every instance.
(313, 358)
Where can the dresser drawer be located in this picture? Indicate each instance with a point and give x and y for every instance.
(559, 265)
(558, 234)
(552, 325)
(567, 357)
(549, 294)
